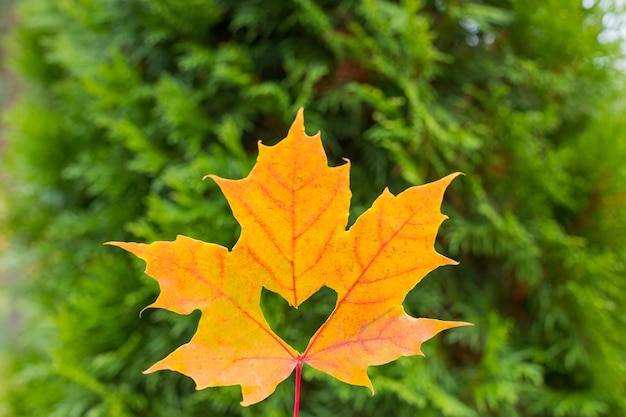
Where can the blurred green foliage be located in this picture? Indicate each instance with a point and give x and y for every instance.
(128, 104)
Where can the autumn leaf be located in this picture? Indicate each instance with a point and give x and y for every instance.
(293, 210)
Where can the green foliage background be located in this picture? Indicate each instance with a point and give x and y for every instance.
(126, 105)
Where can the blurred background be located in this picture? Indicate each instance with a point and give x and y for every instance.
(114, 110)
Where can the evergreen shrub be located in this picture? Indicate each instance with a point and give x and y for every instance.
(127, 104)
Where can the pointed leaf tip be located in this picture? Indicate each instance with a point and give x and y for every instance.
(297, 127)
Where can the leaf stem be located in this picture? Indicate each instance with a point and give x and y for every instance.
(296, 401)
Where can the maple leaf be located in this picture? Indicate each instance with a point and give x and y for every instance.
(293, 210)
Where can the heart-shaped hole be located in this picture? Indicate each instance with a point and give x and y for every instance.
(297, 326)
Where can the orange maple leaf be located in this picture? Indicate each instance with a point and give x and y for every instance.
(293, 211)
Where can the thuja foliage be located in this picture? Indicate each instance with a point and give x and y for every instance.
(127, 104)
